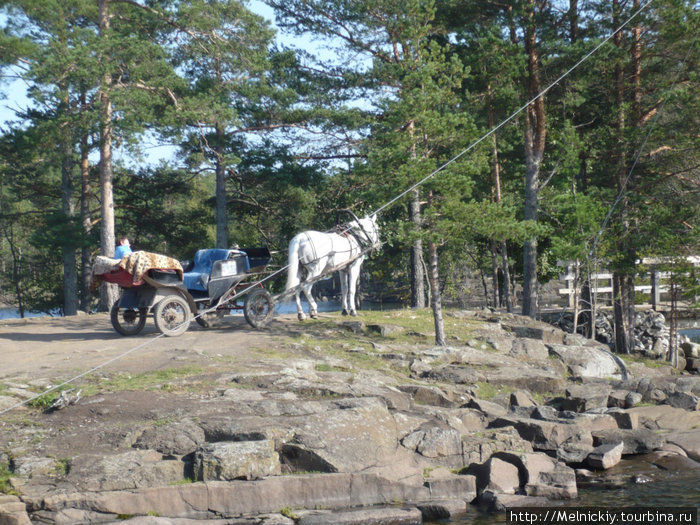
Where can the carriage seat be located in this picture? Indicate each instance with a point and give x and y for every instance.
(198, 277)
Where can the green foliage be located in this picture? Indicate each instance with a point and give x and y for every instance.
(5, 475)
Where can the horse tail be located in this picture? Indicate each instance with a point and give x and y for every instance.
(293, 262)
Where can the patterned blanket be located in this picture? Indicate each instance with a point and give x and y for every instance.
(137, 264)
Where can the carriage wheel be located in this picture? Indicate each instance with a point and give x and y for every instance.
(258, 308)
(172, 316)
(128, 321)
(210, 319)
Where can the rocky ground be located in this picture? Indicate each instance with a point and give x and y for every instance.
(289, 424)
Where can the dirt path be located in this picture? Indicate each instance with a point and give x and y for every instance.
(59, 348)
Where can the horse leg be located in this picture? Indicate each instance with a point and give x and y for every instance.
(353, 275)
(313, 307)
(344, 291)
(300, 310)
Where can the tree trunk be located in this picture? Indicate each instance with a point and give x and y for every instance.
(577, 310)
(109, 293)
(624, 322)
(497, 297)
(417, 263)
(417, 273)
(16, 253)
(86, 223)
(587, 299)
(535, 134)
(573, 20)
(506, 278)
(496, 176)
(623, 275)
(436, 294)
(221, 200)
(70, 271)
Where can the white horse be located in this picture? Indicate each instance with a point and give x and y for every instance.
(319, 252)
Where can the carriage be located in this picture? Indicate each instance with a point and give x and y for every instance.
(213, 284)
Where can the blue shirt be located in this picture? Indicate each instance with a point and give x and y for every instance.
(121, 251)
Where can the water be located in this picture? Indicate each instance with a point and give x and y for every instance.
(693, 334)
(290, 307)
(669, 489)
(13, 313)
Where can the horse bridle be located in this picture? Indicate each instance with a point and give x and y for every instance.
(351, 231)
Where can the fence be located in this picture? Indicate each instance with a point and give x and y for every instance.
(652, 282)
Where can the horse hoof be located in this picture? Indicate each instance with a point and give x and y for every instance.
(301, 317)
(313, 315)
(344, 312)
(353, 313)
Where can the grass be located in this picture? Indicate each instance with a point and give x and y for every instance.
(324, 367)
(288, 513)
(186, 481)
(5, 475)
(488, 391)
(649, 363)
(156, 380)
(61, 468)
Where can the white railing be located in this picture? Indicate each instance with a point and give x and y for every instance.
(651, 282)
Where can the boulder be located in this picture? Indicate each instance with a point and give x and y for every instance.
(529, 349)
(489, 409)
(226, 461)
(460, 375)
(666, 417)
(632, 399)
(356, 327)
(495, 502)
(539, 331)
(481, 445)
(581, 398)
(682, 363)
(691, 350)
(522, 398)
(617, 398)
(544, 435)
(452, 487)
(638, 441)
(683, 400)
(540, 475)
(688, 440)
(13, 511)
(574, 451)
(229, 499)
(586, 362)
(351, 434)
(692, 364)
(178, 439)
(385, 330)
(436, 443)
(30, 466)
(625, 418)
(675, 462)
(392, 515)
(496, 475)
(605, 456)
(129, 470)
(427, 395)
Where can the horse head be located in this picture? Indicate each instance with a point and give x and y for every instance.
(367, 229)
